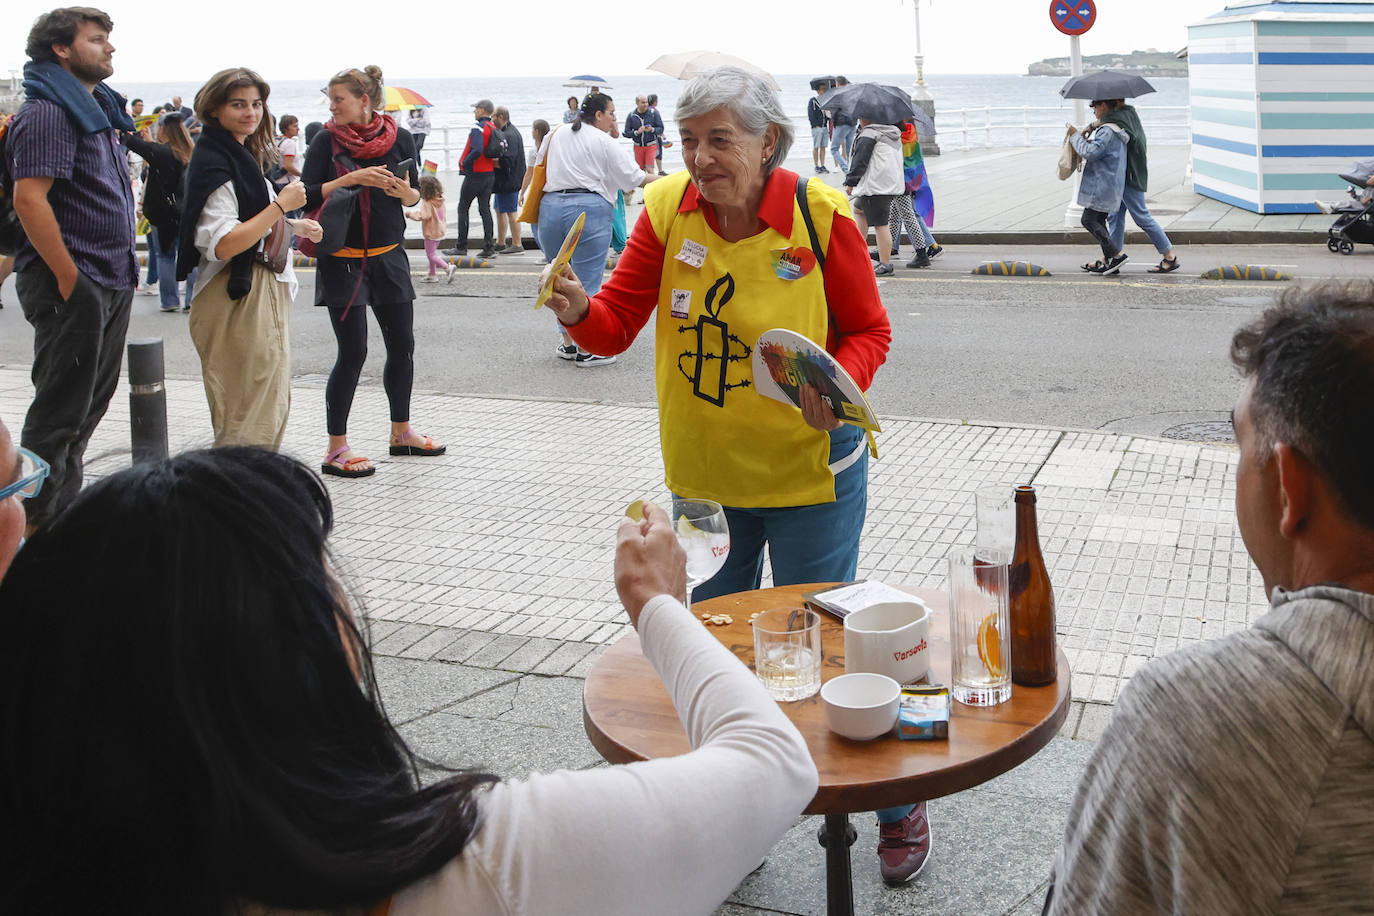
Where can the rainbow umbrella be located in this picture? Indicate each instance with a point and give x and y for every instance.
(399, 98)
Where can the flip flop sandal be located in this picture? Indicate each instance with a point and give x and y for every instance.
(1166, 266)
(347, 470)
(429, 449)
(1093, 268)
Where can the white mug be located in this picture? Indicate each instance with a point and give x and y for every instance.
(891, 638)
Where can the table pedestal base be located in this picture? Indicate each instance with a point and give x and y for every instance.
(837, 835)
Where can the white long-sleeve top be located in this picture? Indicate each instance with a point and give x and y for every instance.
(588, 158)
(218, 218)
(666, 836)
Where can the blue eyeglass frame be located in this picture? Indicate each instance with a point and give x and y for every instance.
(37, 476)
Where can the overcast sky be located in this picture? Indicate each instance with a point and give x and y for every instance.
(188, 40)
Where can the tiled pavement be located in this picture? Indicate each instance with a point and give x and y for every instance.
(486, 575)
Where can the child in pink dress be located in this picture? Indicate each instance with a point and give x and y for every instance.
(432, 225)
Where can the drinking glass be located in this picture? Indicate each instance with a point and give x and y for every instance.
(995, 513)
(979, 627)
(787, 652)
(703, 533)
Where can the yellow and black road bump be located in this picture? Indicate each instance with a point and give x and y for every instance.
(1010, 269)
(1245, 272)
(468, 260)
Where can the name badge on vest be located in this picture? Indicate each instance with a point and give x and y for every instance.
(793, 263)
(693, 254)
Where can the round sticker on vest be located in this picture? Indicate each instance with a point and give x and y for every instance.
(793, 263)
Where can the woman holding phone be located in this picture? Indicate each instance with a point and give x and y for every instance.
(363, 148)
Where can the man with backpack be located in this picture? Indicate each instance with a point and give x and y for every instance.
(510, 174)
(76, 267)
(478, 167)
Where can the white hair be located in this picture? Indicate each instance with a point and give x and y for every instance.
(755, 104)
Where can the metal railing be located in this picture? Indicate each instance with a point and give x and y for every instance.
(1047, 127)
(1037, 126)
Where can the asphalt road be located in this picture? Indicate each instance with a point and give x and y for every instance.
(1138, 353)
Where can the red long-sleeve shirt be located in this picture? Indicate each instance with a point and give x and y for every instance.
(859, 334)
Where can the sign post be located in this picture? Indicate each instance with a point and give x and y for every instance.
(1073, 18)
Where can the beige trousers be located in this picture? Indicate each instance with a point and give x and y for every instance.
(245, 358)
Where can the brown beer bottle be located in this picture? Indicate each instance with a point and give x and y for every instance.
(1032, 601)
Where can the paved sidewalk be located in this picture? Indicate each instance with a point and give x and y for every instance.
(486, 575)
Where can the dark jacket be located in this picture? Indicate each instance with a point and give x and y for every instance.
(474, 158)
(814, 112)
(162, 193)
(510, 168)
(634, 121)
(387, 221)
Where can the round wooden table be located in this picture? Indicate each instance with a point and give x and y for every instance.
(628, 716)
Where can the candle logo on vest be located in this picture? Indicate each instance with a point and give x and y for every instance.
(792, 263)
(708, 366)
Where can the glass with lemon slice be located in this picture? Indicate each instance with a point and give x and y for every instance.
(703, 533)
(979, 627)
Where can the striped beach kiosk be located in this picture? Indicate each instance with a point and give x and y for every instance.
(1282, 97)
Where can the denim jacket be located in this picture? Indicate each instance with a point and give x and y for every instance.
(1104, 167)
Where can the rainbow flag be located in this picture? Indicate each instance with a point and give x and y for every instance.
(431, 168)
(914, 171)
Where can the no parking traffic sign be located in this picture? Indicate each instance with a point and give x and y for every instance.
(1073, 17)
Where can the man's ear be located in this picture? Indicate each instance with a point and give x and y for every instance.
(1296, 479)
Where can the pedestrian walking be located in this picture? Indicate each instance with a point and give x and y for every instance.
(874, 181)
(658, 157)
(418, 123)
(585, 168)
(1133, 194)
(510, 174)
(236, 237)
(644, 128)
(372, 268)
(167, 159)
(820, 126)
(478, 167)
(433, 222)
(1103, 148)
(842, 133)
(76, 270)
(538, 131)
(914, 210)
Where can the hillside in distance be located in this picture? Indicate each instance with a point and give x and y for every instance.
(1145, 63)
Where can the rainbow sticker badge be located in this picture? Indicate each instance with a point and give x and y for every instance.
(793, 263)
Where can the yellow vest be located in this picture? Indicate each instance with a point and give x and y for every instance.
(722, 440)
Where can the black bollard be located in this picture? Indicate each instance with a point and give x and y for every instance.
(147, 401)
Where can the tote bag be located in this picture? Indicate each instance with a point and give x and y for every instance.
(529, 212)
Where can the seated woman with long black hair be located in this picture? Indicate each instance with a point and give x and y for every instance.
(192, 726)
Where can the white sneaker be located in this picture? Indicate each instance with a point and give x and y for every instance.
(452, 269)
(429, 279)
(1323, 206)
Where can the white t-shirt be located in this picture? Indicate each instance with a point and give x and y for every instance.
(289, 148)
(667, 836)
(588, 158)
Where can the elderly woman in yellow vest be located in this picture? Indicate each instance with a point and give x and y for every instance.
(722, 253)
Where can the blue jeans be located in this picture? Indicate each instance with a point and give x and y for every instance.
(167, 277)
(557, 213)
(797, 554)
(842, 135)
(152, 256)
(1134, 201)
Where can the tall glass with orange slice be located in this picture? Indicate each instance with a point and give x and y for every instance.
(979, 627)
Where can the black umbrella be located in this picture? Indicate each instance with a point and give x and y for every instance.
(1106, 84)
(877, 103)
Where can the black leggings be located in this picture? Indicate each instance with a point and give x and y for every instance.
(398, 375)
(1095, 221)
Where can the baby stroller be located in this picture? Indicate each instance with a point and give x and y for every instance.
(1355, 226)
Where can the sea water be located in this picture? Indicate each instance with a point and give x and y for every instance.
(533, 97)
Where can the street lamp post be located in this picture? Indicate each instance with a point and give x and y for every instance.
(920, 93)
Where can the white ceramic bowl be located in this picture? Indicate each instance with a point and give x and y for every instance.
(861, 706)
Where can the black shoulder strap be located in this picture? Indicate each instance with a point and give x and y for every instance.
(810, 225)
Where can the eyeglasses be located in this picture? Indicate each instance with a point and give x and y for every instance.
(32, 472)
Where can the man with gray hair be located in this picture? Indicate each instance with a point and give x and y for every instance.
(1236, 775)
